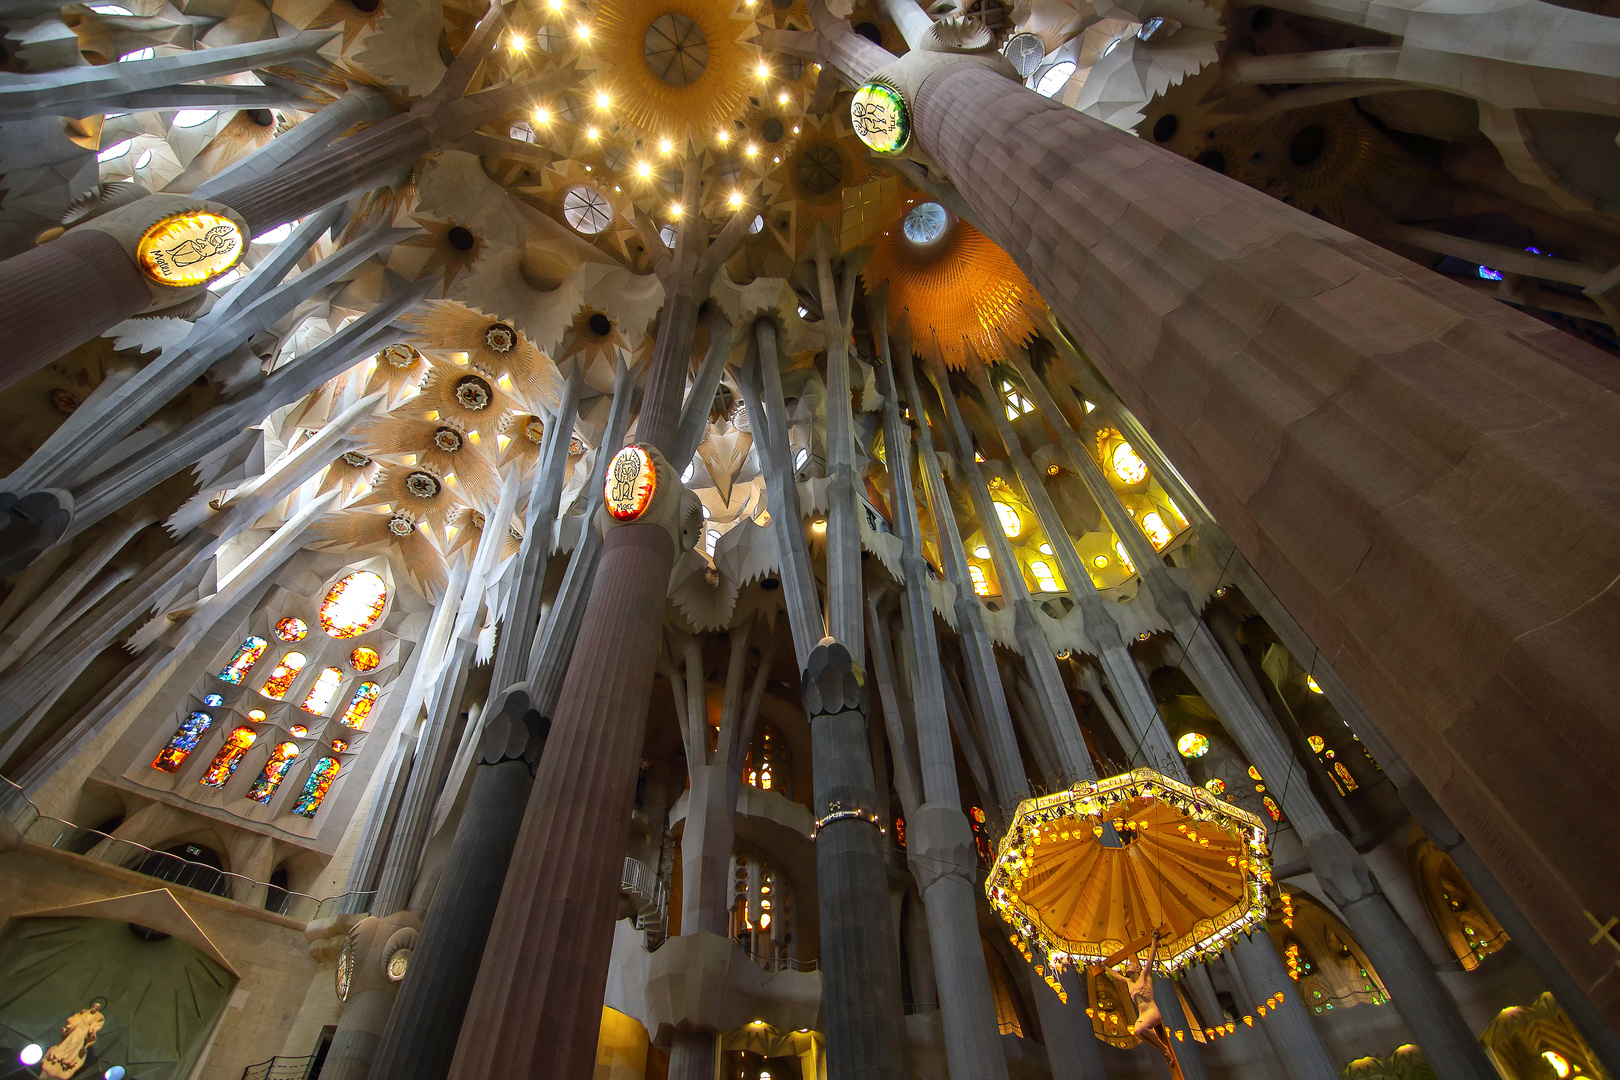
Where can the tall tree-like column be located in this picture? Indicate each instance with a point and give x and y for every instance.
(1376, 447)
(860, 973)
(536, 1008)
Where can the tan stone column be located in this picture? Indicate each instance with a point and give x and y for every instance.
(1424, 477)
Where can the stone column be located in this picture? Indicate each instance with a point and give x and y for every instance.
(860, 982)
(1212, 307)
(844, 608)
(1299, 1044)
(420, 1039)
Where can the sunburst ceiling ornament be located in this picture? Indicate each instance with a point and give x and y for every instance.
(491, 345)
(470, 395)
(1176, 861)
(675, 70)
(444, 446)
(451, 247)
(398, 533)
(962, 293)
(398, 366)
(416, 490)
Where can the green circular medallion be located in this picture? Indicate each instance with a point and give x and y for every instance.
(881, 118)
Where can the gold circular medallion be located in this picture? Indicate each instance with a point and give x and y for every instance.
(345, 969)
(189, 249)
(632, 480)
(398, 961)
(880, 117)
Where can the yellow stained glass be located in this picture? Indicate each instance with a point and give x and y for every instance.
(364, 659)
(229, 757)
(1192, 745)
(1011, 523)
(281, 679)
(1128, 466)
(980, 584)
(1158, 533)
(292, 628)
(1044, 577)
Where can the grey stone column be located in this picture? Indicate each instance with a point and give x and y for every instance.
(420, 1039)
(1071, 1041)
(1298, 1043)
(860, 984)
(844, 607)
(361, 884)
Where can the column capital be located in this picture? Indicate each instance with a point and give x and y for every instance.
(513, 730)
(832, 681)
(939, 844)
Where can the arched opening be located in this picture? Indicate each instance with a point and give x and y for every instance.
(196, 866)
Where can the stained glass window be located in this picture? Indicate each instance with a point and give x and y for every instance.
(365, 696)
(1011, 523)
(1317, 743)
(339, 745)
(1128, 466)
(281, 759)
(354, 604)
(1347, 781)
(292, 628)
(321, 694)
(1158, 533)
(245, 657)
(1215, 786)
(364, 659)
(1192, 745)
(183, 742)
(298, 731)
(229, 756)
(1044, 578)
(282, 677)
(1271, 807)
(316, 787)
(980, 584)
(1124, 557)
(213, 701)
(256, 715)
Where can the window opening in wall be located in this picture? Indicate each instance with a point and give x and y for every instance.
(183, 742)
(281, 679)
(316, 787)
(246, 656)
(229, 757)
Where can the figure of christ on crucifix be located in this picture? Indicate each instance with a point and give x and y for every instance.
(1149, 1025)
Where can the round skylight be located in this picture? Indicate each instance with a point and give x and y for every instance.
(587, 209)
(926, 223)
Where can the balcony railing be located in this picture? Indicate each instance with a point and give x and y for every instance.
(54, 832)
(281, 1068)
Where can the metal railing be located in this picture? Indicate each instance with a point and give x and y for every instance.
(641, 884)
(54, 832)
(281, 1068)
(781, 963)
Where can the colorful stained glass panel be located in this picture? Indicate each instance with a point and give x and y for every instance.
(365, 659)
(354, 604)
(281, 759)
(321, 694)
(282, 677)
(316, 787)
(245, 658)
(365, 696)
(229, 757)
(183, 742)
(292, 628)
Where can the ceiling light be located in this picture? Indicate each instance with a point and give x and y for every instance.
(724, 136)
(518, 44)
(675, 210)
(782, 98)
(736, 199)
(556, 5)
(602, 99)
(542, 116)
(763, 71)
(664, 146)
(591, 133)
(643, 169)
(583, 31)
(750, 149)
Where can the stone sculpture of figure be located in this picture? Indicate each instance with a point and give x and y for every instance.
(78, 1034)
(1149, 1025)
(216, 241)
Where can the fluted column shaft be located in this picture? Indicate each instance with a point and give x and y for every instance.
(1341, 412)
(860, 975)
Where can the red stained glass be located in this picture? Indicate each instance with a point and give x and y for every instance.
(229, 757)
(281, 759)
(292, 628)
(281, 679)
(185, 740)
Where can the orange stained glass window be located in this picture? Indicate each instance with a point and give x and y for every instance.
(183, 742)
(365, 659)
(292, 628)
(320, 696)
(354, 604)
(245, 658)
(365, 696)
(229, 756)
(316, 787)
(281, 679)
(281, 759)
(1271, 807)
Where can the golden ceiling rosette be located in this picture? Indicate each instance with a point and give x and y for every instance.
(676, 68)
(443, 446)
(963, 295)
(490, 344)
(471, 394)
(1088, 875)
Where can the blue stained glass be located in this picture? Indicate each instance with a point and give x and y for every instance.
(213, 700)
(183, 742)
